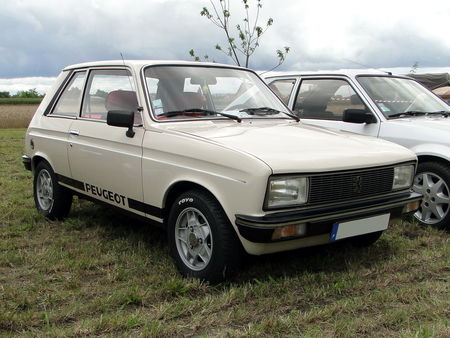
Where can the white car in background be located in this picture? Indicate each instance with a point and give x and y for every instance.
(395, 108)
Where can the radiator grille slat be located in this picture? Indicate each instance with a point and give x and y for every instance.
(338, 187)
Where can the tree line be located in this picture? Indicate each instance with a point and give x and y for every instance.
(29, 94)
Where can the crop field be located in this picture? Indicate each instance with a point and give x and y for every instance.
(16, 115)
(99, 273)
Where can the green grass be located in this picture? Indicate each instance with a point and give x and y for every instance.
(21, 100)
(102, 274)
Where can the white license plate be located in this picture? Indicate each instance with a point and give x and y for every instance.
(359, 227)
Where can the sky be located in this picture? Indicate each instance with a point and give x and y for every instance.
(39, 38)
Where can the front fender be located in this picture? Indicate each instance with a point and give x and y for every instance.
(432, 149)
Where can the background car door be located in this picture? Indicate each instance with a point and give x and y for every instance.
(102, 156)
(323, 102)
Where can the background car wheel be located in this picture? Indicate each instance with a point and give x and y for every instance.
(365, 240)
(52, 200)
(433, 182)
(201, 239)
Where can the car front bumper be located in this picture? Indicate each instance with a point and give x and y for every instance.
(26, 160)
(320, 220)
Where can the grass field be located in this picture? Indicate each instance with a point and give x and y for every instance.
(99, 273)
(16, 115)
(20, 100)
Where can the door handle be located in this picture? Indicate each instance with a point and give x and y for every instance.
(74, 132)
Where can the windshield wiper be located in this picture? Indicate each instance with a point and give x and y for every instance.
(267, 111)
(446, 113)
(199, 110)
(419, 113)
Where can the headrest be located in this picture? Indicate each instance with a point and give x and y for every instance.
(121, 100)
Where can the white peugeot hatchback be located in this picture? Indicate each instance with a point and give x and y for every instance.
(395, 108)
(209, 153)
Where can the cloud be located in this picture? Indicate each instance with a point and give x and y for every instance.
(39, 38)
(41, 84)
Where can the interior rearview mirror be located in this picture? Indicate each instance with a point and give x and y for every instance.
(121, 118)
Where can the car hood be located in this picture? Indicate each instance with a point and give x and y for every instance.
(296, 147)
(416, 130)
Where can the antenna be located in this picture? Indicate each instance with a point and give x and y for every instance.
(129, 78)
(139, 108)
(366, 66)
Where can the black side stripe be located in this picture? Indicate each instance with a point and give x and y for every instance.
(70, 181)
(146, 208)
(132, 204)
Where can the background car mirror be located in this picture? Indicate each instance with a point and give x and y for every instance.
(121, 118)
(358, 116)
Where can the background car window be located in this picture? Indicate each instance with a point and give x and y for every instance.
(395, 96)
(69, 102)
(283, 89)
(325, 99)
(109, 90)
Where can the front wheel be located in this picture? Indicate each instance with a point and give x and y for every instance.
(201, 239)
(52, 200)
(433, 182)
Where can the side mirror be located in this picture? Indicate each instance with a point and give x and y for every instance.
(121, 118)
(358, 116)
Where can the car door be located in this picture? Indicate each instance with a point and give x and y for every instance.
(52, 136)
(323, 101)
(103, 157)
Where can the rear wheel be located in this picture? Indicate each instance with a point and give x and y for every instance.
(52, 200)
(433, 182)
(201, 239)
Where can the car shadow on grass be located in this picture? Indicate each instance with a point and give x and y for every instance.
(337, 257)
(115, 224)
(329, 258)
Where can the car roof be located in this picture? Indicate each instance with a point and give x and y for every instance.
(142, 63)
(344, 72)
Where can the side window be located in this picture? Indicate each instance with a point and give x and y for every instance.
(283, 89)
(69, 102)
(109, 89)
(326, 99)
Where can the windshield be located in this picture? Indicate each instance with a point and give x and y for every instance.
(196, 92)
(398, 96)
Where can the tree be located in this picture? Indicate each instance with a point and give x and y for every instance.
(5, 94)
(249, 32)
(414, 68)
(30, 93)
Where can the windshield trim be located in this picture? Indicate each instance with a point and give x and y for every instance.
(209, 118)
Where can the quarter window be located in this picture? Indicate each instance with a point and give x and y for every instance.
(326, 99)
(283, 89)
(109, 90)
(69, 102)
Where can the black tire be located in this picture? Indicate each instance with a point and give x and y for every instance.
(209, 255)
(52, 200)
(433, 182)
(365, 240)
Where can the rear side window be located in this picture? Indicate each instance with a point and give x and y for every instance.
(70, 99)
(109, 89)
(326, 99)
(283, 89)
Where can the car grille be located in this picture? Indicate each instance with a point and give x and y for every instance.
(338, 187)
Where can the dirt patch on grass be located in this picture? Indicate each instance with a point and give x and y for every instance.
(16, 115)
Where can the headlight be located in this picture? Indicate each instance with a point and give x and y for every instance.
(287, 191)
(403, 176)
